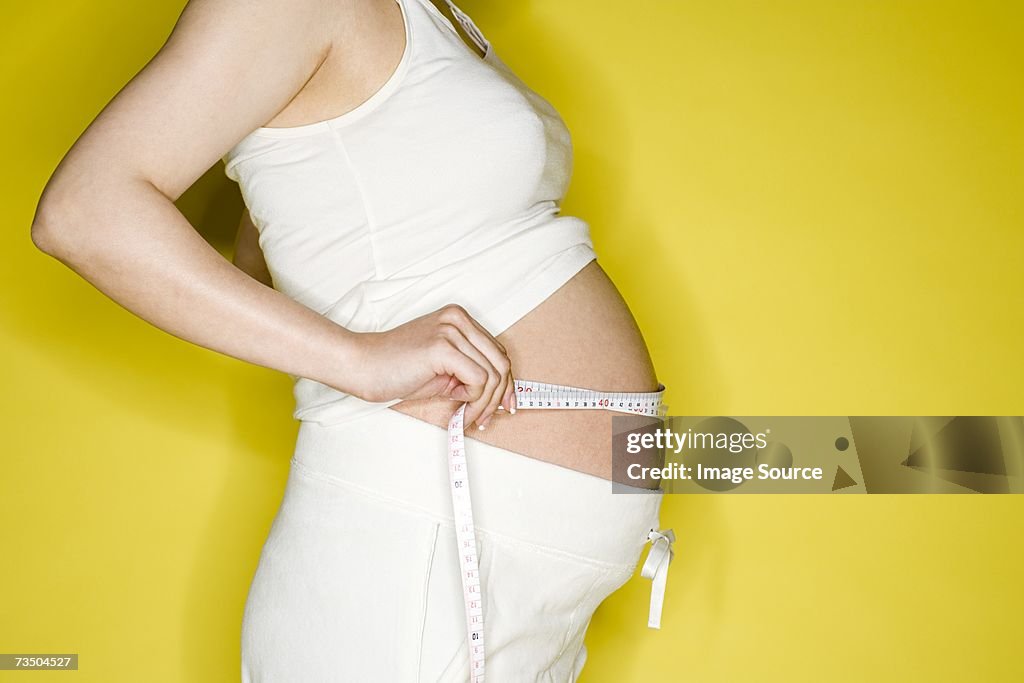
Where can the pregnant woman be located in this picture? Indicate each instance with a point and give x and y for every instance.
(402, 254)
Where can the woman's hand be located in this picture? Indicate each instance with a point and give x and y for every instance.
(442, 354)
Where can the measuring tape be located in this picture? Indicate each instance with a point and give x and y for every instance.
(529, 396)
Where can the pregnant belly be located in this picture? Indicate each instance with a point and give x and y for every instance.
(583, 335)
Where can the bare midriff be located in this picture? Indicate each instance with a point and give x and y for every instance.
(583, 335)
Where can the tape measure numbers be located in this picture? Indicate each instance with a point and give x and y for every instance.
(529, 396)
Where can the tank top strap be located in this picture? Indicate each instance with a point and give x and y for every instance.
(469, 26)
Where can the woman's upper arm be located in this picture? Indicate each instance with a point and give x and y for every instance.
(227, 67)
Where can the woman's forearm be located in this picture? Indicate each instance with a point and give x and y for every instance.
(135, 246)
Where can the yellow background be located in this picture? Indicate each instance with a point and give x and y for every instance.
(812, 207)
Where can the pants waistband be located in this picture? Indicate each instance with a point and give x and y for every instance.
(402, 459)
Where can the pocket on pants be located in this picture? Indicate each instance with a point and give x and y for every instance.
(537, 605)
(540, 602)
(443, 645)
(338, 591)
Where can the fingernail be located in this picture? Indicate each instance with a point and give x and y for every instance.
(482, 427)
(501, 407)
(512, 411)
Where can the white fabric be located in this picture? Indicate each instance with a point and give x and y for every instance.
(656, 569)
(359, 578)
(443, 187)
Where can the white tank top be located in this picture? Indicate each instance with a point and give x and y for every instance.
(443, 187)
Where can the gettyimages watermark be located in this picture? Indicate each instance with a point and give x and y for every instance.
(793, 454)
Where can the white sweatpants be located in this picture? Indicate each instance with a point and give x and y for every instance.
(359, 581)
